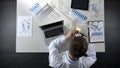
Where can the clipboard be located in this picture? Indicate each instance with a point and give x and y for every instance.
(96, 31)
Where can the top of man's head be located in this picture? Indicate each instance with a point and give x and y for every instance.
(78, 47)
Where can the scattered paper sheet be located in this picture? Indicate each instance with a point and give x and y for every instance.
(35, 9)
(24, 26)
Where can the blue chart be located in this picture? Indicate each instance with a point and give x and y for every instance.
(79, 15)
(96, 31)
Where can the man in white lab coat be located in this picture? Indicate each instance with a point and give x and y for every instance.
(80, 53)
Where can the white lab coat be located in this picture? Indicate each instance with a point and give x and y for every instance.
(60, 59)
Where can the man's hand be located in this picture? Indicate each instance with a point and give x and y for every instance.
(71, 34)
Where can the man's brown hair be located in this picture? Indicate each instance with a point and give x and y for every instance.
(78, 47)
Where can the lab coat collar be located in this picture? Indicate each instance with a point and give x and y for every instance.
(71, 61)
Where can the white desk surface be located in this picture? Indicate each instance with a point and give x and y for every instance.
(36, 43)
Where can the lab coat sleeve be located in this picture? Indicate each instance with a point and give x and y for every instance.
(55, 57)
(91, 57)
